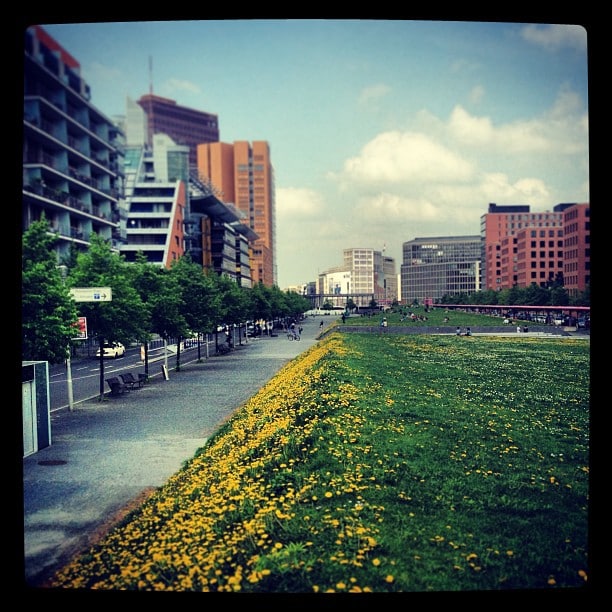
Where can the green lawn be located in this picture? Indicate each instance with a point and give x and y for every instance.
(378, 463)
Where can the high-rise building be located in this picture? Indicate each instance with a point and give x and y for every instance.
(186, 126)
(72, 152)
(436, 266)
(365, 275)
(172, 211)
(243, 176)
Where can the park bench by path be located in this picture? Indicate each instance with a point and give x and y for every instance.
(223, 349)
(131, 382)
(116, 386)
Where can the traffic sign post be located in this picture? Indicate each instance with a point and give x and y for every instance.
(91, 294)
(94, 294)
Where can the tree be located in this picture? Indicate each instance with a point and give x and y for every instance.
(167, 311)
(199, 294)
(48, 312)
(260, 307)
(125, 317)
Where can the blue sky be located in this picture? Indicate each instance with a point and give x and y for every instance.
(380, 131)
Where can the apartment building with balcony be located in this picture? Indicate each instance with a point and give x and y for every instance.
(72, 152)
(156, 192)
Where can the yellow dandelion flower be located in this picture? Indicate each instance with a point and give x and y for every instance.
(389, 578)
(551, 581)
(583, 575)
(509, 552)
(340, 585)
(376, 562)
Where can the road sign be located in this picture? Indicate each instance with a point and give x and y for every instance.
(91, 294)
(81, 327)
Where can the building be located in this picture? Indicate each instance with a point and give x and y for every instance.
(576, 248)
(72, 153)
(170, 213)
(157, 198)
(434, 267)
(520, 248)
(243, 176)
(186, 126)
(365, 275)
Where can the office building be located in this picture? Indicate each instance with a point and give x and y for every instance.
(365, 275)
(171, 212)
(72, 152)
(243, 176)
(186, 126)
(436, 266)
(521, 247)
(577, 248)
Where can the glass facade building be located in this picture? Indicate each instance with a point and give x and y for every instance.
(434, 267)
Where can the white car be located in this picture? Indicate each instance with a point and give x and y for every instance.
(112, 350)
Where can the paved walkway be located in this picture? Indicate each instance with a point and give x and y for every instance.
(107, 456)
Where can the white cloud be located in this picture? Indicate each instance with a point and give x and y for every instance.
(178, 85)
(556, 36)
(373, 93)
(477, 93)
(292, 202)
(396, 157)
(560, 131)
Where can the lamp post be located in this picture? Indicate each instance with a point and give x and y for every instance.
(64, 271)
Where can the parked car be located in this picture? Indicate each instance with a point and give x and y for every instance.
(112, 350)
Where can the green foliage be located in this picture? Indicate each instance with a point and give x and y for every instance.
(200, 294)
(146, 298)
(48, 313)
(125, 317)
(554, 294)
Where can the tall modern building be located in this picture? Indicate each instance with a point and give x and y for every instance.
(366, 274)
(186, 126)
(72, 152)
(172, 211)
(434, 267)
(243, 176)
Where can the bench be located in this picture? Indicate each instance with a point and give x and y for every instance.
(131, 382)
(116, 386)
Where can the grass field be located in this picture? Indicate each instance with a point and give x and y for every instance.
(378, 463)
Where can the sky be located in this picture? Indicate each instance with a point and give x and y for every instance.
(380, 131)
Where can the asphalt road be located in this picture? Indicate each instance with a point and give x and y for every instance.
(105, 456)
